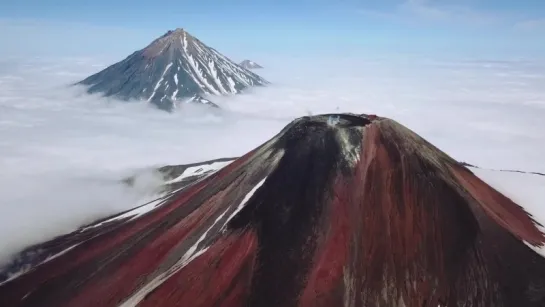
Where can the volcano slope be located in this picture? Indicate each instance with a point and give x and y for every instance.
(354, 211)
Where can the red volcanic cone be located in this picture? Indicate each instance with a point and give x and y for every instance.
(340, 210)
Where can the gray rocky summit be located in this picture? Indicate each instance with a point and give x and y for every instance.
(176, 67)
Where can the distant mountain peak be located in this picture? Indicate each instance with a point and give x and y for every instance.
(178, 32)
(250, 64)
(177, 39)
(174, 67)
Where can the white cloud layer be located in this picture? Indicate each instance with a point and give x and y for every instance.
(62, 152)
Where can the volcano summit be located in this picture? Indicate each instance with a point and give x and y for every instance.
(175, 67)
(335, 210)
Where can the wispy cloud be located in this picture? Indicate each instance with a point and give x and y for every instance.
(425, 9)
(376, 14)
(531, 25)
(432, 11)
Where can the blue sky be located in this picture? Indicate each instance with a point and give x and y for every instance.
(474, 27)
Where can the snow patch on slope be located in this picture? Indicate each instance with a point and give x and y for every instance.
(192, 253)
(27, 268)
(131, 214)
(200, 170)
(244, 201)
(160, 80)
(199, 74)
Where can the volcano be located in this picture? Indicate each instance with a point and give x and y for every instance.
(176, 67)
(335, 210)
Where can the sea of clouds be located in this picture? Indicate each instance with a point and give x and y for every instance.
(62, 152)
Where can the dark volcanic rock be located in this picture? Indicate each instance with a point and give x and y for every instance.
(335, 210)
(174, 67)
(250, 65)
